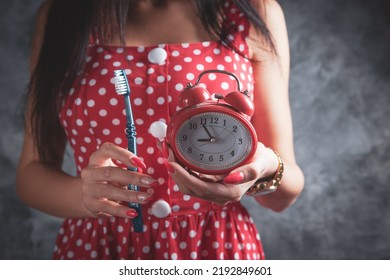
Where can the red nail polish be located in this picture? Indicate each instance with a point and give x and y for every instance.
(164, 149)
(234, 178)
(138, 162)
(131, 214)
(168, 166)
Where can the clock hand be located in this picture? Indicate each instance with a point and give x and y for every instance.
(207, 131)
(204, 140)
(211, 140)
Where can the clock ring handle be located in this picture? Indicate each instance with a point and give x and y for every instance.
(216, 71)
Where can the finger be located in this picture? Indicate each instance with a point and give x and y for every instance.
(117, 175)
(111, 192)
(165, 150)
(205, 190)
(108, 151)
(251, 171)
(110, 208)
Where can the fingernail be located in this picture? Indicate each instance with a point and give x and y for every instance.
(149, 181)
(131, 214)
(142, 197)
(234, 178)
(138, 162)
(168, 166)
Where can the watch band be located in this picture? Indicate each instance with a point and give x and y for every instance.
(265, 186)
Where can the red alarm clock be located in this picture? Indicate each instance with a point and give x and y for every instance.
(212, 136)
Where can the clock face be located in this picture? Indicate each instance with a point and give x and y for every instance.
(214, 142)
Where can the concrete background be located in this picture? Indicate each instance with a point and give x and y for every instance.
(340, 98)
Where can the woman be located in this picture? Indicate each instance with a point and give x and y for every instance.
(77, 45)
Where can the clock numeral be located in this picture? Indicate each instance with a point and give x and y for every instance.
(211, 158)
(214, 120)
(239, 141)
(193, 126)
(221, 158)
(232, 153)
(203, 121)
(185, 137)
(201, 156)
(235, 128)
(224, 122)
(189, 150)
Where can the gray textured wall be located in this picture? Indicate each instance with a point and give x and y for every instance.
(340, 96)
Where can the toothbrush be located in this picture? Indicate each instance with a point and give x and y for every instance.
(122, 88)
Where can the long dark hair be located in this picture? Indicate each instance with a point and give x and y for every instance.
(62, 55)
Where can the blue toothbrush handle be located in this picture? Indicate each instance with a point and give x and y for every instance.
(132, 147)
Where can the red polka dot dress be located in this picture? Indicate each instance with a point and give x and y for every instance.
(93, 114)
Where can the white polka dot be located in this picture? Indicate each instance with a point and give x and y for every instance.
(139, 121)
(183, 224)
(102, 91)
(212, 76)
(173, 234)
(138, 101)
(215, 245)
(183, 245)
(149, 90)
(200, 67)
(177, 68)
(118, 141)
(224, 85)
(216, 224)
(196, 206)
(150, 112)
(174, 256)
(160, 100)
(77, 101)
(116, 121)
(192, 233)
(104, 71)
(140, 140)
(95, 64)
(175, 53)
(103, 113)
(190, 76)
(92, 82)
(155, 225)
(208, 59)
(197, 52)
(160, 79)
(164, 235)
(217, 51)
(117, 64)
(107, 56)
(129, 57)
(90, 103)
(193, 255)
(179, 87)
(185, 45)
(146, 249)
(187, 59)
(157, 245)
(79, 122)
(113, 101)
(106, 131)
(150, 150)
(138, 81)
(139, 64)
(187, 198)
(236, 256)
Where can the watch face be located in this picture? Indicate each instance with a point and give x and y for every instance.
(214, 142)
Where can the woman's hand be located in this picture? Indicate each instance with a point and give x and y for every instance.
(104, 184)
(232, 187)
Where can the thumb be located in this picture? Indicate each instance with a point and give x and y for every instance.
(251, 171)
